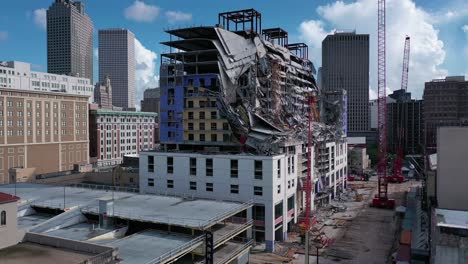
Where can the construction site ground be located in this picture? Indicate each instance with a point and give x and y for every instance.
(350, 230)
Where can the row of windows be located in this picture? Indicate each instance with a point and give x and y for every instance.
(257, 190)
(47, 105)
(258, 167)
(201, 126)
(11, 133)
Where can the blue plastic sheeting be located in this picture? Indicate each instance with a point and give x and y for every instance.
(172, 129)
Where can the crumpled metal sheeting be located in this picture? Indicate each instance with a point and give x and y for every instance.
(268, 105)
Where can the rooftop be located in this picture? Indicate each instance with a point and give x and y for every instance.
(7, 198)
(124, 113)
(452, 218)
(39, 254)
(176, 211)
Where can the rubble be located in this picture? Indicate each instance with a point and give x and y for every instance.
(272, 83)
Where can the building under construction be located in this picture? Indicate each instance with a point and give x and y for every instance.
(234, 109)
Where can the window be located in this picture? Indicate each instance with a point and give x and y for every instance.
(258, 190)
(3, 218)
(234, 188)
(289, 165)
(201, 115)
(289, 184)
(190, 104)
(150, 163)
(201, 126)
(292, 164)
(213, 115)
(209, 186)
(225, 126)
(278, 188)
(234, 168)
(170, 165)
(213, 126)
(258, 212)
(292, 183)
(214, 137)
(279, 210)
(278, 169)
(190, 137)
(190, 126)
(190, 115)
(209, 167)
(170, 184)
(202, 137)
(193, 166)
(193, 185)
(258, 170)
(291, 203)
(150, 182)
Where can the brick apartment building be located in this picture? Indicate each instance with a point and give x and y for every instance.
(41, 132)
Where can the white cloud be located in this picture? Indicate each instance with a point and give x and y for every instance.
(145, 70)
(313, 33)
(3, 35)
(465, 29)
(40, 17)
(403, 17)
(141, 12)
(177, 16)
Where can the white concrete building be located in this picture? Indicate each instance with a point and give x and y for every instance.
(114, 134)
(18, 75)
(272, 182)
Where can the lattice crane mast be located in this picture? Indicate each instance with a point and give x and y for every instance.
(397, 166)
(381, 199)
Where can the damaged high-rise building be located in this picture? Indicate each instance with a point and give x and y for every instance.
(234, 123)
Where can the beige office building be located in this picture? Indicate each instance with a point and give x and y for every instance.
(41, 132)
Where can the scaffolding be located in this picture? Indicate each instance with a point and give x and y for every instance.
(278, 35)
(241, 17)
(299, 49)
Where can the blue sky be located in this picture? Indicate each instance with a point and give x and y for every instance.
(439, 41)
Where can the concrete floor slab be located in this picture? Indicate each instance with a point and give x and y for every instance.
(38, 254)
(197, 214)
(79, 232)
(29, 221)
(147, 245)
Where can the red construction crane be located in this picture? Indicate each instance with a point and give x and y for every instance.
(397, 166)
(381, 200)
(305, 223)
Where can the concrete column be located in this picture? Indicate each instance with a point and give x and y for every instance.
(249, 217)
(270, 227)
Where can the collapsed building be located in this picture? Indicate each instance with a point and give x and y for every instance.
(234, 102)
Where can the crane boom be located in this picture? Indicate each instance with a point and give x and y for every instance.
(401, 114)
(404, 74)
(381, 199)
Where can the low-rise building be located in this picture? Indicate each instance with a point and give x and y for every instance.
(9, 234)
(19, 76)
(274, 182)
(114, 134)
(41, 132)
(358, 159)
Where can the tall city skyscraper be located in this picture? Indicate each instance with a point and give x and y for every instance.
(345, 65)
(117, 60)
(69, 39)
(445, 104)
